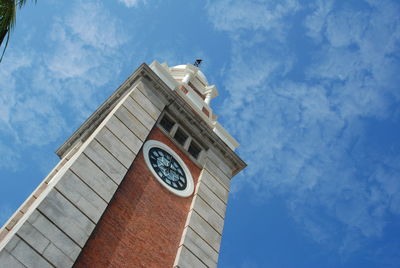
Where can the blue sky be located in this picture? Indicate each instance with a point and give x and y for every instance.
(309, 88)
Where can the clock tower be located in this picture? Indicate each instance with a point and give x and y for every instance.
(143, 182)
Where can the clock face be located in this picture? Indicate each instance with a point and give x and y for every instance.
(168, 168)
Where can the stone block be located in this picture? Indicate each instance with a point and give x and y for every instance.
(124, 134)
(118, 149)
(33, 237)
(12, 243)
(208, 214)
(218, 174)
(57, 257)
(8, 261)
(212, 183)
(150, 94)
(199, 248)
(186, 259)
(131, 122)
(83, 197)
(105, 161)
(204, 230)
(93, 176)
(139, 113)
(28, 257)
(55, 235)
(211, 198)
(66, 217)
(219, 163)
(151, 107)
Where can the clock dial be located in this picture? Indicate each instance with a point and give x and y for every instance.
(167, 168)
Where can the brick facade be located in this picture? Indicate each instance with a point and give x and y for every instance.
(143, 224)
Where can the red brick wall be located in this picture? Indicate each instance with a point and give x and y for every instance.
(143, 223)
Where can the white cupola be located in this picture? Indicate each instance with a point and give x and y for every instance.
(191, 76)
(192, 85)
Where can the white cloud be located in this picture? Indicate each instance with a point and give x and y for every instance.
(131, 3)
(304, 138)
(37, 120)
(87, 44)
(316, 22)
(83, 40)
(235, 15)
(346, 27)
(38, 85)
(15, 62)
(95, 26)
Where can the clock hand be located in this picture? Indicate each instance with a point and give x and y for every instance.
(165, 161)
(163, 165)
(170, 163)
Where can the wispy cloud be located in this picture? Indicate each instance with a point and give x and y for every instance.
(132, 3)
(250, 15)
(8, 80)
(38, 85)
(83, 41)
(302, 121)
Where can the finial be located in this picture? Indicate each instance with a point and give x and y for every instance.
(197, 63)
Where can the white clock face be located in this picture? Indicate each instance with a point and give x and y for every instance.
(168, 168)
